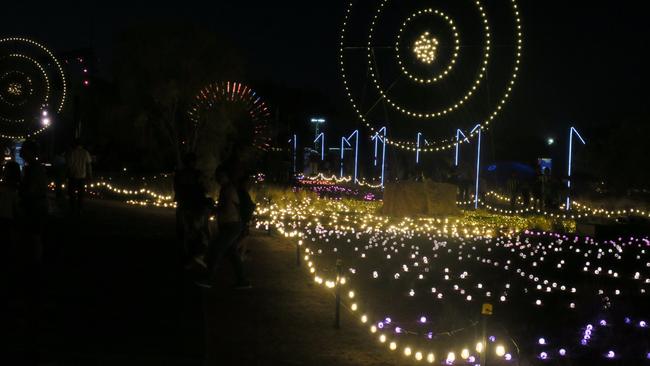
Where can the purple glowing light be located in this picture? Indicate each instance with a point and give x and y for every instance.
(603, 322)
(643, 324)
(583, 342)
(541, 341)
(507, 357)
(471, 359)
(562, 352)
(423, 319)
(430, 335)
(610, 354)
(628, 320)
(543, 355)
(380, 325)
(398, 330)
(492, 338)
(387, 320)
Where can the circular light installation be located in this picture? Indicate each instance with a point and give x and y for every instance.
(218, 94)
(31, 81)
(425, 50)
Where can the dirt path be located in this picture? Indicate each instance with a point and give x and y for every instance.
(113, 292)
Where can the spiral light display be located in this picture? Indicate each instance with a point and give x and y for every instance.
(32, 88)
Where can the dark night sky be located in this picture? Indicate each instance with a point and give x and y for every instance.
(584, 61)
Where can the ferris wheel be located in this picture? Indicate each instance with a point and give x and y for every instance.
(429, 68)
(32, 88)
(238, 97)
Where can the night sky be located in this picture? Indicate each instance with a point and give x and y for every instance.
(584, 62)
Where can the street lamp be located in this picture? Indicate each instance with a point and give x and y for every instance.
(317, 121)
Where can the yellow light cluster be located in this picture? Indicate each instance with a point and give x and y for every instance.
(443, 144)
(425, 48)
(7, 43)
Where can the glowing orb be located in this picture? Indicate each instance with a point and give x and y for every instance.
(425, 48)
(15, 89)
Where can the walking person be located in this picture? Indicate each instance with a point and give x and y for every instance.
(79, 167)
(9, 185)
(35, 205)
(246, 211)
(229, 229)
(192, 211)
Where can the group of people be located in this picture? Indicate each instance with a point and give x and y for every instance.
(234, 211)
(544, 192)
(24, 203)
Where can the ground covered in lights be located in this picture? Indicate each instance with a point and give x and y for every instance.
(418, 284)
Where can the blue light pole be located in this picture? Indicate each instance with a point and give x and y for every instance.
(321, 137)
(295, 147)
(458, 133)
(346, 141)
(417, 149)
(478, 162)
(381, 139)
(572, 131)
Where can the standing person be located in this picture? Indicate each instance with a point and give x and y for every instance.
(191, 211)
(79, 164)
(9, 185)
(33, 194)
(229, 228)
(246, 211)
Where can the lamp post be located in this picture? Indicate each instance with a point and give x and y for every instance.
(478, 161)
(317, 121)
(572, 131)
(381, 139)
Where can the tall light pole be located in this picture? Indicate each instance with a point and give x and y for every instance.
(295, 147)
(572, 131)
(478, 162)
(321, 137)
(346, 141)
(380, 137)
(417, 149)
(458, 133)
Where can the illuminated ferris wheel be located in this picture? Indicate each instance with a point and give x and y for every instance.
(235, 100)
(429, 68)
(32, 88)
